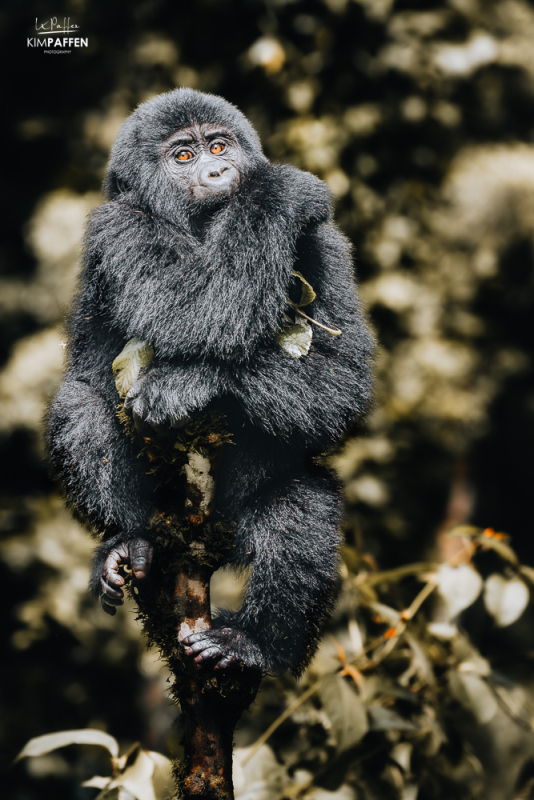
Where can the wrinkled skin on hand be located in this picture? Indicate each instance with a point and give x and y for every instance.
(134, 555)
(147, 406)
(223, 648)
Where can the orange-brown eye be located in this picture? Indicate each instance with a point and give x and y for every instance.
(184, 155)
(217, 148)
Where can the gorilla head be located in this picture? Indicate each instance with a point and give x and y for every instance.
(181, 153)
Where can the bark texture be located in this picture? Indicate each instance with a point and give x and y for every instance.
(192, 542)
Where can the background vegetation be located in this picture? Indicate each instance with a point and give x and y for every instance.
(419, 116)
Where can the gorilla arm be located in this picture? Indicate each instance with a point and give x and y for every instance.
(105, 481)
(314, 398)
(168, 393)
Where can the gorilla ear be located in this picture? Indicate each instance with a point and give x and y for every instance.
(122, 186)
(113, 186)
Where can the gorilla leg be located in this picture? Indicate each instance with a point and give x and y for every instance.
(290, 536)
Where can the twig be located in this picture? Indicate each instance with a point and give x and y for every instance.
(385, 576)
(282, 718)
(414, 607)
(333, 331)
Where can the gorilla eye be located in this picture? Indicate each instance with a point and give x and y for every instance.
(184, 155)
(217, 148)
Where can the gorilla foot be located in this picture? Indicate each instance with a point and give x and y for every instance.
(224, 648)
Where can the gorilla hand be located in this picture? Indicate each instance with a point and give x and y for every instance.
(134, 555)
(149, 402)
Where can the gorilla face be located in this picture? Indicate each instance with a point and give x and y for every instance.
(181, 154)
(205, 161)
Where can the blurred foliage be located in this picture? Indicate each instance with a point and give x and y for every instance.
(141, 774)
(398, 703)
(419, 117)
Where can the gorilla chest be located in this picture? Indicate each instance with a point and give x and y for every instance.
(199, 309)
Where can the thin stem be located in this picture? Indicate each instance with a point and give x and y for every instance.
(386, 576)
(414, 607)
(282, 718)
(333, 331)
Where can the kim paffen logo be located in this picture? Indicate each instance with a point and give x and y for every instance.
(48, 39)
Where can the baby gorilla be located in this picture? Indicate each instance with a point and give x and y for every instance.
(202, 251)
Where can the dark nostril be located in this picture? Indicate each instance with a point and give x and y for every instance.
(216, 173)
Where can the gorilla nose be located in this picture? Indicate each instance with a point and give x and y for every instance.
(217, 177)
(216, 173)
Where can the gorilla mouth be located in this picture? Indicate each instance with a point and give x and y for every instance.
(214, 190)
(218, 181)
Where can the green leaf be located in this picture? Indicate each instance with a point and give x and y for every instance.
(459, 587)
(385, 719)
(97, 782)
(468, 657)
(137, 777)
(444, 631)
(345, 711)
(162, 778)
(473, 693)
(52, 741)
(135, 355)
(295, 339)
(515, 702)
(501, 548)
(469, 531)
(308, 295)
(143, 775)
(420, 663)
(261, 778)
(505, 599)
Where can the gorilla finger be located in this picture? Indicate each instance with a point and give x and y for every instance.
(193, 638)
(197, 647)
(228, 661)
(108, 609)
(112, 594)
(117, 556)
(141, 553)
(208, 654)
(140, 568)
(112, 576)
(131, 396)
(110, 602)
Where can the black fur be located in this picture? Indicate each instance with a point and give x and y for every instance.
(210, 300)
